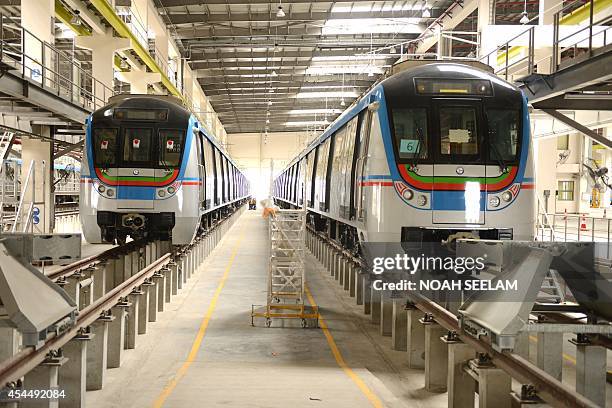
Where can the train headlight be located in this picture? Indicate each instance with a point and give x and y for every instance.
(422, 201)
(171, 190)
(494, 201)
(110, 192)
(161, 193)
(408, 194)
(507, 196)
(101, 188)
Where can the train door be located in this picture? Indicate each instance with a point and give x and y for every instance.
(218, 177)
(321, 175)
(346, 167)
(309, 189)
(209, 165)
(301, 187)
(458, 188)
(137, 166)
(361, 153)
(201, 169)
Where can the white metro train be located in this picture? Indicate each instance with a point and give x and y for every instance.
(149, 168)
(429, 154)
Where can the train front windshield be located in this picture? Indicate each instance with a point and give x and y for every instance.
(455, 131)
(134, 146)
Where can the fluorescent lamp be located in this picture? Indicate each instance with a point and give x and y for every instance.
(280, 13)
(524, 19)
(426, 13)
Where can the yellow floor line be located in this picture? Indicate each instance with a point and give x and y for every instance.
(340, 360)
(161, 399)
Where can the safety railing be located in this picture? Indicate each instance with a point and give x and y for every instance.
(140, 31)
(581, 43)
(53, 69)
(515, 60)
(576, 228)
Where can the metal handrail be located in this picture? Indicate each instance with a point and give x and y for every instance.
(20, 52)
(506, 47)
(23, 193)
(558, 49)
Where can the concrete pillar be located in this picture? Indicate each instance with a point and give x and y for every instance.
(109, 273)
(347, 272)
(521, 345)
(494, 386)
(43, 377)
(591, 371)
(39, 189)
(103, 48)
(549, 356)
(73, 374)
(174, 273)
(97, 353)
(367, 295)
(352, 268)
(38, 18)
(399, 328)
(140, 80)
(460, 384)
(375, 301)
(132, 319)
(153, 290)
(143, 307)
(99, 280)
(162, 280)
(358, 286)
(386, 315)
(415, 339)
(436, 357)
(116, 334)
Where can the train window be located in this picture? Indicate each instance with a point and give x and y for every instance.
(503, 133)
(458, 130)
(170, 147)
(137, 146)
(105, 147)
(410, 131)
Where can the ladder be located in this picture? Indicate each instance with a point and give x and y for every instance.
(286, 272)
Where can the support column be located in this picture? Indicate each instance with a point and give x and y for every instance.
(375, 305)
(591, 370)
(494, 385)
(97, 353)
(132, 325)
(367, 294)
(550, 353)
(143, 307)
(436, 357)
(415, 339)
(460, 384)
(103, 48)
(386, 314)
(73, 375)
(399, 327)
(45, 376)
(39, 189)
(116, 334)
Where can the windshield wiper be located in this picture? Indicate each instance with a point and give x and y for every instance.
(499, 158)
(417, 154)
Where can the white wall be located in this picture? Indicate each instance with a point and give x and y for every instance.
(257, 155)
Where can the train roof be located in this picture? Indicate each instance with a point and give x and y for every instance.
(397, 81)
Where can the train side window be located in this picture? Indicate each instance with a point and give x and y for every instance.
(105, 147)
(503, 133)
(170, 147)
(458, 130)
(137, 146)
(410, 132)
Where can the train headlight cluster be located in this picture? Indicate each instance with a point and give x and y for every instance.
(422, 200)
(104, 191)
(161, 192)
(407, 194)
(110, 192)
(494, 201)
(167, 192)
(101, 188)
(507, 196)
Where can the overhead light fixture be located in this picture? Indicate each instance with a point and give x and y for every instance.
(524, 19)
(342, 103)
(124, 64)
(392, 50)
(267, 120)
(280, 13)
(370, 72)
(426, 13)
(268, 113)
(271, 91)
(274, 73)
(76, 18)
(269, 103)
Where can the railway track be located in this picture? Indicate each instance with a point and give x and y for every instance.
(347, 270)
(130, 284)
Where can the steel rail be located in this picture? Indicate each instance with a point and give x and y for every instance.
(548, 388)
(23, 362)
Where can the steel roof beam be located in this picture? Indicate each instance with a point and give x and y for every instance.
(202, 18)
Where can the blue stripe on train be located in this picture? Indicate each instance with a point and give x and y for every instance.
(135, 193)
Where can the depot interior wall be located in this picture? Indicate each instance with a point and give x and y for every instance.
(262, 158)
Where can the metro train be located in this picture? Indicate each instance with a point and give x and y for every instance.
(430, 154)
(149, 168)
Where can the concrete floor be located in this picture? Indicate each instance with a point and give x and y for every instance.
(238, 365)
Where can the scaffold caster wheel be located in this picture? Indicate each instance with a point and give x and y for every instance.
(304, 323)
(268, 322)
